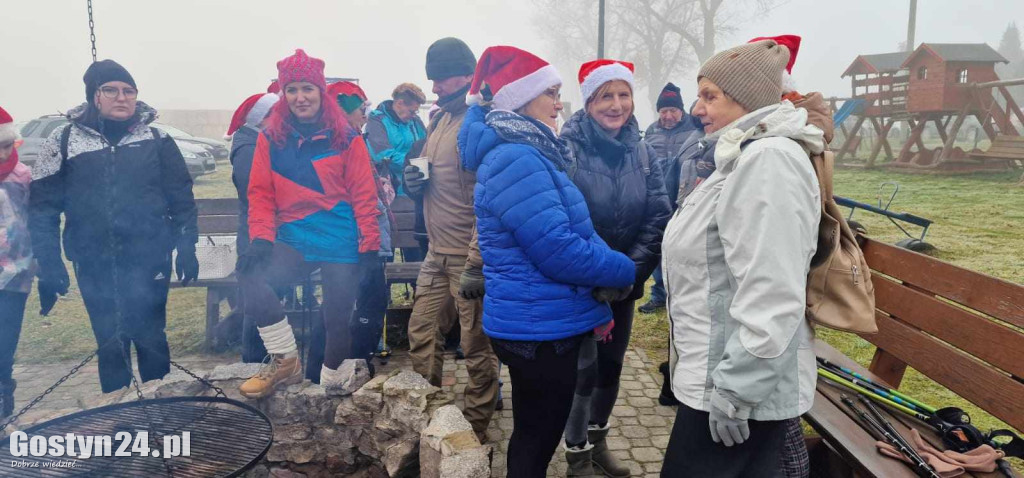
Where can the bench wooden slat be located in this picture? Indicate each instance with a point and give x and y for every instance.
(402, 271)
(1003, 149)
(217, 207)
(405, 221)
(996, 297)
(996, 344)
(403, 204)
(216, 225)
(1009, 138)
(404, 239)
(995, 392)
(1014, 152)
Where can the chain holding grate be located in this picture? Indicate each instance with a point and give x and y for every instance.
(92, 31)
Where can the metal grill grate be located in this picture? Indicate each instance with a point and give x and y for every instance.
(227, 438)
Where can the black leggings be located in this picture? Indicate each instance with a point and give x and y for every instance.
(286, 267)
(691, 452)
(371, 305)
(599, 369)
(12, 311)
(542, 390)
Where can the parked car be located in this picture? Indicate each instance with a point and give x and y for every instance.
(34, 133)
(219, 149)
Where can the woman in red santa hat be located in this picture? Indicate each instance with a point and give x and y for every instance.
(16, 264)
(542, 257)
(625, 192)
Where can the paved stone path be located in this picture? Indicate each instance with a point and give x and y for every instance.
(639, 435)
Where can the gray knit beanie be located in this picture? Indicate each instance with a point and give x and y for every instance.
(750, 73)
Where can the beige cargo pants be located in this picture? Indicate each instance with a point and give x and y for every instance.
(438, 281)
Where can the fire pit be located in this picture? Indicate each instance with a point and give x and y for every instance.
(204, 436)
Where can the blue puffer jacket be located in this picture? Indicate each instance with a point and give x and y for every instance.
(541, 255)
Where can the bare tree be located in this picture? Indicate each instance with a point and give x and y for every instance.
(664, 38)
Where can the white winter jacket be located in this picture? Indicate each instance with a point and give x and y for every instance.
(736, 257)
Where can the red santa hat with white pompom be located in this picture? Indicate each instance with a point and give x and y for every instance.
(791, 42)
(7, 130)
(510, 78)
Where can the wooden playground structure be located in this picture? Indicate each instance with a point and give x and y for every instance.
(938, 84)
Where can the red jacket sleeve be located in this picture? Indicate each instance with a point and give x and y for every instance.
(262, 206)
(362, 190)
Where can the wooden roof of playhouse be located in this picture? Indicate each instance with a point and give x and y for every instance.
(947, 52)
(956, 52)
(876, 64)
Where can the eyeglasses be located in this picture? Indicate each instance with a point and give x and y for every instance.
(111, 92)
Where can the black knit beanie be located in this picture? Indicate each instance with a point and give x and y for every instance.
(102, 72)
(449, 57)
(670, 97)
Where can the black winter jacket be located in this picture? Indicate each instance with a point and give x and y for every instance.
(243, 148)
(628, 205)
(132, 200)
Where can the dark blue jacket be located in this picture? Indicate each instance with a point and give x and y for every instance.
(541, 254)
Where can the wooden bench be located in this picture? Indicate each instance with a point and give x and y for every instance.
(217, 217)
(404, 235)
(960, 328)
(1004, 148)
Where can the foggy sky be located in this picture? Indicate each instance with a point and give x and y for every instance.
(211, 54)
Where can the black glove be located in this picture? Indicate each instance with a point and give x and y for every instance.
(471, 284)
(414, 180)
(186, 265)
(257, 254)
(611, 294)
(53, 281)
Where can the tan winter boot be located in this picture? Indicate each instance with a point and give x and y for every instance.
(278, 371)
(579, 461)
(604, 461)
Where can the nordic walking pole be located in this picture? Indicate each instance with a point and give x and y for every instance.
(878, 389)
(884, 401)
(925, 407)
(921, 468)
(873, 410)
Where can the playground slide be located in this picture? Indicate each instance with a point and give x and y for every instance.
(849, 107)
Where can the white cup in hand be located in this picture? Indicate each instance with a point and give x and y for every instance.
(423, 163)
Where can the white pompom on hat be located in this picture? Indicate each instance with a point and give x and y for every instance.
(511, 77)
(595, 73)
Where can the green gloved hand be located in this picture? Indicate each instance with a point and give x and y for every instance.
(471, 284)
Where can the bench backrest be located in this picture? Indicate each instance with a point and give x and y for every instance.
(960, 328)
(404, 210)
(1006, 147)
(218, 217)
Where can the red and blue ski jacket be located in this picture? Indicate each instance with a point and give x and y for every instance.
(314, 198)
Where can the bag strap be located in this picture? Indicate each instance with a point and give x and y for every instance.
(824, 165)
(65, 137)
